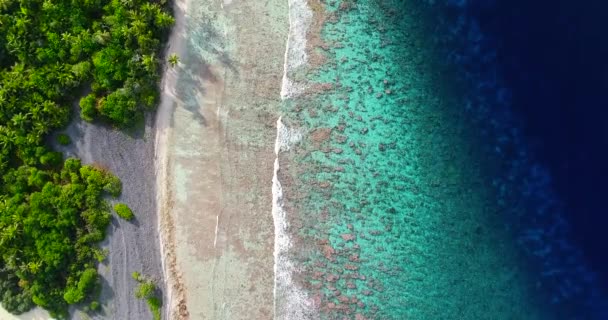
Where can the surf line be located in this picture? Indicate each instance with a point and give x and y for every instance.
(289, 301)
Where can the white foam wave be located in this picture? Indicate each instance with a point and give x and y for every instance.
(286, 137)
(300, 17)
(290, 301)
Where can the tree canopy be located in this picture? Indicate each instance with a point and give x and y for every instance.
(52, 212)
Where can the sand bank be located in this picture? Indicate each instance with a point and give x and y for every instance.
(214, 152)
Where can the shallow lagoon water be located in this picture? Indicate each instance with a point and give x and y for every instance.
(395, 215)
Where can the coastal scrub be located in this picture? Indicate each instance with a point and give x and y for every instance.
(146, 289)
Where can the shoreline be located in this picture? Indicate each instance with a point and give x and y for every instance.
(219, 76)
(175, 305)
(343, 229)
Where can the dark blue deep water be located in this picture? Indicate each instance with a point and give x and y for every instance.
(551, 58)
(553, 55)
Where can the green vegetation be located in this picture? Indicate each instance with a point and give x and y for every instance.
(94, 306)
(50, 222)
(123, 211)
(173, 59)
(52, 213)
(147, 290)
(63, 139)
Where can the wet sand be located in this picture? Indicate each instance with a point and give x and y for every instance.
(215, 153)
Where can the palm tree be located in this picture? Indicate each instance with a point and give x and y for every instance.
(173, 59)
(19, 120)
(4, 4)
(9, 233)
(7, 137)
(101, 37)
(34, 266)
(148, 61)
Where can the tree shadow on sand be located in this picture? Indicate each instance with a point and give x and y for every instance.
(204, 46)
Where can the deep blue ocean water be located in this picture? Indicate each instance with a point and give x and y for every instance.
(551, 58)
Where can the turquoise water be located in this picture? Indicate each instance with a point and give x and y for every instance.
(395, 213)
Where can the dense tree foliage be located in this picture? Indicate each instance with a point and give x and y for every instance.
(48, 49)
(123, 211)
(63, 139)
(52, 212)
(49, 225)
